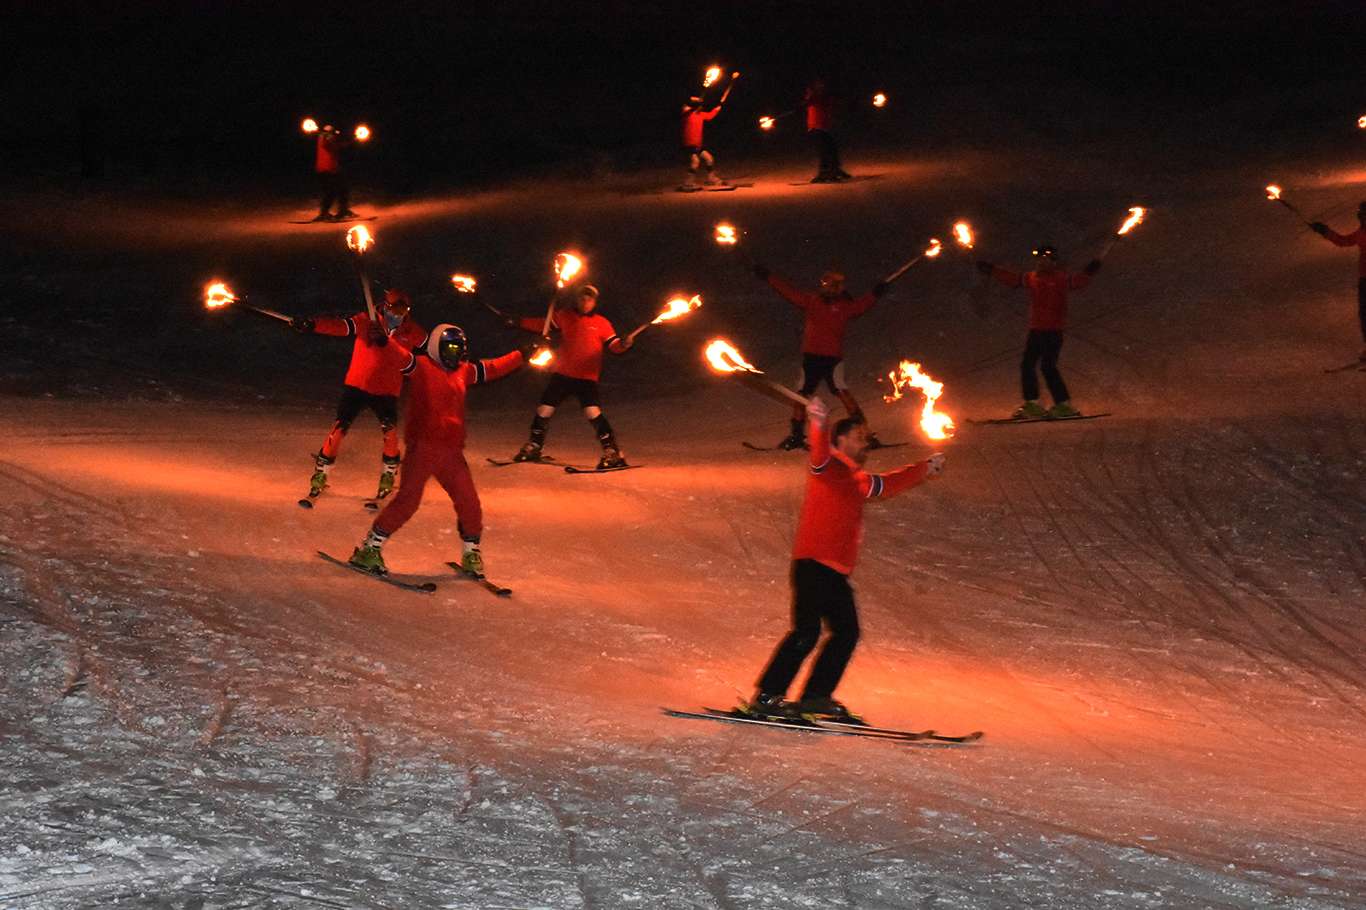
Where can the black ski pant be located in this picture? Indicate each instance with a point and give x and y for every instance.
(819, 594)
(1041, 353)
(334, 189)
(829, 153)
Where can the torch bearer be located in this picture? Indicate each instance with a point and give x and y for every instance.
(725, 359)
(1136, 214)
(358, 240)
(218, 295)
(1273, 192)
(676, 308)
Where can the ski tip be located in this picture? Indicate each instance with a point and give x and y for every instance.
(372, 505)
(305, 503)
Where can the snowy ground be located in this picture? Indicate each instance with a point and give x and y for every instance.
(1156, 617)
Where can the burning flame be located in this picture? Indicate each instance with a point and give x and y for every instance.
(935, 424)
(358, 239)
(934, 249)
(726, 235)
(362, 133)
(765, 123)
(1361, 121)
(962, 234)
(542, 357)
(713, 73)
(309, 125)
(1134, 220)
(1273, 191)
(724, 358)
(677, 307)
(879, 100)
(464, 284)
(218, 295)
(567, 265)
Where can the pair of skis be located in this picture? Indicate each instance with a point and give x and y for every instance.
(568, 468)
(758, 448)
(421, 587)
(828, 727)
(1002, 421)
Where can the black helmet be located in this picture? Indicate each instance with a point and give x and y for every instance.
(1046, 250)
(448, 346)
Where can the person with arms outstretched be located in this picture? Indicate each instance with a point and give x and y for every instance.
(1357, 239)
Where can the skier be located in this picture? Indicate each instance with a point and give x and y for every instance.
(1048, 287)
(328, 165)
(578, 365)
(373, 379)
(828, 312)
(820, 120)
(829, 531)
(694, 119)
(439, 375)
(1357, 239)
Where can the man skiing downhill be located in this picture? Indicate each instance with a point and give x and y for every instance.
(1048, 287)
(828, 313)
(439, 375)
(577, 368)
(373, 379)
(829, 531)
(327, 163)
(694, 121)
(1357, 239)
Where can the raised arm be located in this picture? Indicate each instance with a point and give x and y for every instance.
(1333, 236)
(786, 289)
(1005, 276)
(889, 484)
(497, 368)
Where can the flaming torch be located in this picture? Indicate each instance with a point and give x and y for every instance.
(935, 424)
(358, 241)
(464, 284)
(309, 126)
(930, 252)
(1136, 215)
(766, 123)
(362, 133)
(962, 235)
(1273, 192)
(567, 267)
(713, 74)
(218, 295)
(725, 359)
(879, 100)
(726, 234)
(1361, 122)
(676, 308)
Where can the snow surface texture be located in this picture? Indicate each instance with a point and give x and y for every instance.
(1155, 617)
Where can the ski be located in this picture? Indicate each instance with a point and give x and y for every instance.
(580, 469)
(507, 462)
(492, 588)
(425, 587)
(375, 503)
(336, 220)
(723, 188)
(1359, 365)
(1002, 421)
(910, 734)
(798, 726)
(757, 448)
(307, 501)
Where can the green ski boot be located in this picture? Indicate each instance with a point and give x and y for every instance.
(1030, 410)
(1063, 410)
(473, 562)
(317, 483)
(386, 481)
(369, 559)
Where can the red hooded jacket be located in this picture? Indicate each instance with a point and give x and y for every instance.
(1047, 294)
(826, 317)
(374, 368)
(436, 397)
(579, 355)
(693, 119)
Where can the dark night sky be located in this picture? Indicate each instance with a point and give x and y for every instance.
(461, 91)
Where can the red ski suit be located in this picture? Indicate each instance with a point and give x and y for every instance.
(693, 119)
(376, 369)
(1357, 238)
(328, 160)
(435, 436)
(826, 317)
(579, 355)
(830, 527)
(820, 110)
(1047, 294)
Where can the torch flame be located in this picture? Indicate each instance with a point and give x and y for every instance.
(962, 234)
(726, 235)
(542, 357)
(359, 239)
(724, 358)
(677, 307)
(309, 125)
(1361, 122)
(464, 284)
(567, 265)
(765, 123)
(1273, 191)
(935, 424)
(713, 73)
(218, 295)
(934, 249)
(879, 100)
(1135, 218)
(362, 133)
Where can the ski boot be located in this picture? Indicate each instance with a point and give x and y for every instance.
(386, 480)
(611, 458)
(1063, 409)
(318, 482)
(473, 562)
(322, 216)
(369, 559)
(768, 707)
(1030, 410)
(345, 216)
(792, 441)
(826, 708)
(529, 452)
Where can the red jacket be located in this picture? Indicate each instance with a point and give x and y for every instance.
(692, 125)
(579, 355)
(820, 110)
(1357, 239)
(436, 397)
(830, 528)
(826, 317)
(374, 368)
(328, 160)
(1047, 294)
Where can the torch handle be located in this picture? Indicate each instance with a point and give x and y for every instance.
(769, 388)
(632, 337)
(903, 270)
(365, 286)
(273, 314)
(1110, 245)
(1298, 213)
(549, 314)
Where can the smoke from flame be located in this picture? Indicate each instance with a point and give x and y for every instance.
(726, 235)
(1135, 218)
(879, 100)
(309, 125)
(567, 265)
(362, 133)
(962, 234)
(935, 424)
(678, 306)
(465, 284)
(725, 358)
(1273, 191)
(359, 239)
(217, 294)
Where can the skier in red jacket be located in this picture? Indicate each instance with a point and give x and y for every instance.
(829, 532)
(577, 368)
(439, 374)
(1048, 286)
(1357, 239)
(828, 313)
(820, 124)
(694, 121)
(374, 379)
(327, 162)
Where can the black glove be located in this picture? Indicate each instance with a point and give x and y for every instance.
(301, 324)
(986, 268)
(1092, 267)
(761, 271)
(1318, 227)
(530, 348)
(376, 336)
(880, 288)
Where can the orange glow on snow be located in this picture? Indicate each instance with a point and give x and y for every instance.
(567, 265)
(1134, 220)
(359, 239)
(677, 307)
(724, 357)
(464, 284)
(935, 424)
(962, 235)
(218, 294)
